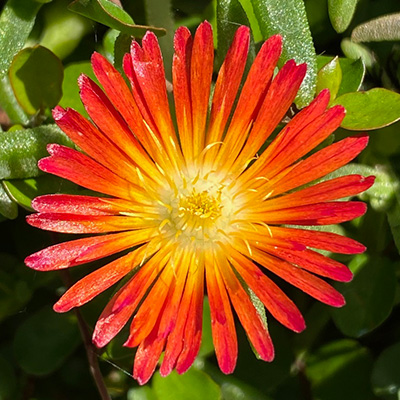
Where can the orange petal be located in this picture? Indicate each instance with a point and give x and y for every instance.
(201, 69)
(93, 142)
(124, 302)
(250, 99)
(227, 85)
(248, 315)
(222, 322)
(147, 356)
(280, 96)
(107, 118)
(276, 302)
(181, 80)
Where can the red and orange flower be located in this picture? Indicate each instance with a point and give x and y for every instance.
(194, 205)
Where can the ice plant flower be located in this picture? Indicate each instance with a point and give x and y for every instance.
(194, 208)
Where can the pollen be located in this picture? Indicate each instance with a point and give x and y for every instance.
(201, 205)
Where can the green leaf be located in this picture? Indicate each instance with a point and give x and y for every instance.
(36, 76)
(393, 215)
(378, 29)
(233, 388)
(330, 77)
(23, 191)
(288, 18)
(207, 345)
(255, 27)
(21, 150)
(369, 110)
(9, 103)
(70, 86)
(141, 393)
(121, 47)
(353, 72)
(8, 208)
(109, 14)
(369, 296)
(341, 13)
(193, 385)
(63, 29)
(340, 370)
(16, 22)
(230, 15)
(382, 193)
(159, 13)
(45, 340)
(386, 373)
(355, 51)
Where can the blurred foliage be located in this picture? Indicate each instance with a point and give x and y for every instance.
(351, 47)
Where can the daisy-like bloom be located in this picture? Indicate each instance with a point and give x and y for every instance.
(191, 205)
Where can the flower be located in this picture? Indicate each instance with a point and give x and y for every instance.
(194, 205)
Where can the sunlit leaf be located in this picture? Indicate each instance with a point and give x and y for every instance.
(207, 346)
(36, 76)
(109, 14)
(353, 72)
(378, 29)
(70, 88)
(341, 13)
(16, 22)
(63, 29)
(21, 150)
(23, 191)
(175, 386)
(288, 18)
(373, 109)
(356, 50)
(330, 77)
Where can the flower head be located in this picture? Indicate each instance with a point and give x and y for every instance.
(194, 204)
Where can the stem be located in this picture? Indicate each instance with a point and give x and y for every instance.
(91, 351)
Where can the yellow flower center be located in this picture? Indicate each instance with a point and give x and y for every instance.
(200, 205)
(196, 210)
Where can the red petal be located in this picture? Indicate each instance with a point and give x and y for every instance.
(333, 189)
(320, 164)
(222, 322)
(248, 316)
(201, 68)
(305, 281)
(319, 240)
(69, 223)
(313, 214)
(276, 302)
(76, 252)
(98, 281)
(82, 170)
